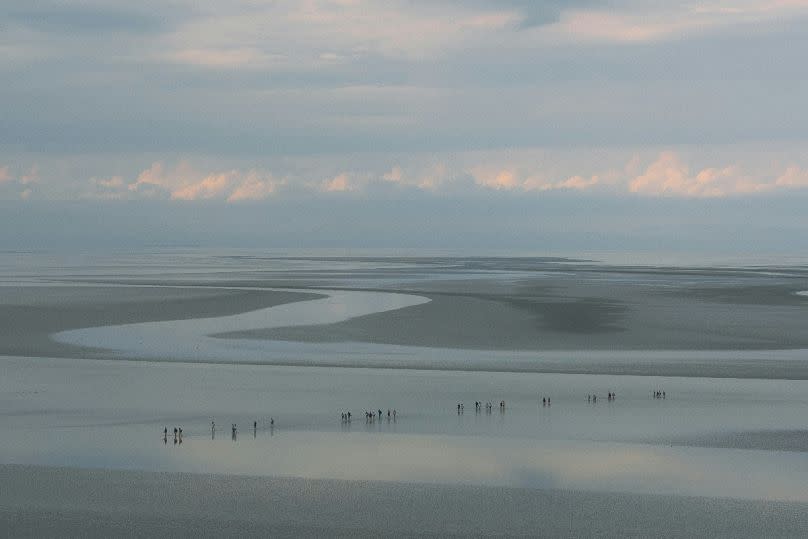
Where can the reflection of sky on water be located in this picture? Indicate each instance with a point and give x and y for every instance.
(111, 414)
(519, 462)
(511, 462)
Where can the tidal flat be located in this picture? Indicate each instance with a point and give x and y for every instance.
(257, 358)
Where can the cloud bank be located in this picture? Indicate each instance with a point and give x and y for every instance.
(664, 174)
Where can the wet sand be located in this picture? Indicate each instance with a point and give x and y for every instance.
(30, 314)
(578, 316)
(479, 304)
(68, 502)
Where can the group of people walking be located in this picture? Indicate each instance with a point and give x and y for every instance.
(479, 405)
(177, 435)
(233, 431)
(372, 415)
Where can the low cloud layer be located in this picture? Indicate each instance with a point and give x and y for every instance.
(664, 174)
(184, 183)
(19, 185)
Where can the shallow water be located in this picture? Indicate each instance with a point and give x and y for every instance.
(91, 413)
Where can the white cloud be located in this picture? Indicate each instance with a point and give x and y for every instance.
(339, 183)
(534, 180)
(643, 23)
(211, 186)
(665, 175)
(184, 183)
(112, 188)
(150, 181)
(578, 182)
(395, 175)
(793, 177)
(434, 178)
(255, 187)
(668, 175)
(18, 186)
(32, 176)
(312, 34)
(504, 179)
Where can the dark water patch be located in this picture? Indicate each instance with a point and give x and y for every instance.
(580, 316)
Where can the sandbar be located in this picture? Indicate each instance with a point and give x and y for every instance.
(29, 315)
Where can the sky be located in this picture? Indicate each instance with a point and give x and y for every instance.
(576, 124)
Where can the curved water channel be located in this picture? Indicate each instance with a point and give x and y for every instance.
(193, 340)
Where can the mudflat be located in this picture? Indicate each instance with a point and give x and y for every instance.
(578, 308)
(30, 314)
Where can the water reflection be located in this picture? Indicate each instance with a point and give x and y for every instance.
(576, 465)
(112, 414)
(514, 462)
